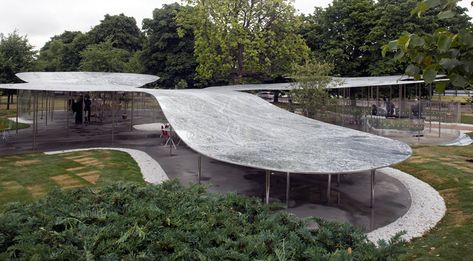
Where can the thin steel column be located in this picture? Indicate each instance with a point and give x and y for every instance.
(47, 108)
(430, 107)
(329, 184)
(113, 117)
(268, 185)
(42, 105)
(35, 100)
(440, 113)
(288, 188)
(338, 180)
(373, 174)
(199, 166)
(17, 110)
(132, 110)
(52, 105)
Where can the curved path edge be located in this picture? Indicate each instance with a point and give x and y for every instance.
(427, 209)
(150, 169)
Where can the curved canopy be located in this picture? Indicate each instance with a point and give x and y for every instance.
(243, 129)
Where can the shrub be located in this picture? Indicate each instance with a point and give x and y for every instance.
(169, 222)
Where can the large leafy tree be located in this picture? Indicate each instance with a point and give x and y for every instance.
(104, 57)
(392, 19)
(447, 50)
(250, 40)
(121, 29)
(165, 53)
(60, 53)
(350, 33)
(16, 55)
(338, 33)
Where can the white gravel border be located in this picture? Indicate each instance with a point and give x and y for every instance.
(427, 209)
(21, 120)
(150, 168)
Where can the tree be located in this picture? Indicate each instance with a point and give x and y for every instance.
(60, 53)
(392, 19)
(310, 87)
(165, 53)
(445, 51)
(121, 29)
(16, 55)
(104, 57)
(350, 33)
(337, 35)
(250, 40)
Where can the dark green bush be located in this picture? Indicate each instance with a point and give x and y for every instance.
(169, 222)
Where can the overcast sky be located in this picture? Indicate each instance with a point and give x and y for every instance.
(42, 19)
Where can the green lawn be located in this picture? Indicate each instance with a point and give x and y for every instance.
(450, 171)
(27, 177)
(467, 118)
(5, 123)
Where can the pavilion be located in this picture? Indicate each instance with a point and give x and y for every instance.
(236, 127)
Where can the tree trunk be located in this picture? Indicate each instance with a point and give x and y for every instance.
(241, 50)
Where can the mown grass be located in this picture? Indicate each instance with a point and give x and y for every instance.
(24, 178)
(450, 171)
(467, 118)
(5, 123)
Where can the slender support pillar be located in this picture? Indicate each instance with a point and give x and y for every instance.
(17, 111)
(199, 166)
(132, 110)
(329, 184)
(42, 105)
(373, 174)
(338, 180)
(47, 108)
(288, 188)
(52, 106)
(268, 186)
(35, 112)
(113, 117)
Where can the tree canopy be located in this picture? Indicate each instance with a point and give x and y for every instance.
(351, 33)
(447, 50)
(241, 41)
(16, 55)
(121, 29)
(104, 57)
(165, 53)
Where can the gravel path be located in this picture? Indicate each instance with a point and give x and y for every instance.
(427, 209)
(150, 169)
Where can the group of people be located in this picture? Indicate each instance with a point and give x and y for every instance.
(79, 107)
(388, 109)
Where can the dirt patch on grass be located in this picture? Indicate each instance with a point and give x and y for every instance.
(459, 167)
(455, 215)
(21, 163)
(76, 169)
(417, 160)
(67, 181)
(431, 178)
(79, 155)
(91, 176)
(10, 185)
(37, 190)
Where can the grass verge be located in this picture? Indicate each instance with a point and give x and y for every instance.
(27, 177)
(450, 171)
(467, 118)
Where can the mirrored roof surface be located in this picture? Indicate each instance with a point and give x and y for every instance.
(243, 129)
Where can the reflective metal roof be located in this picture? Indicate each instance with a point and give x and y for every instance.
(243, 129)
